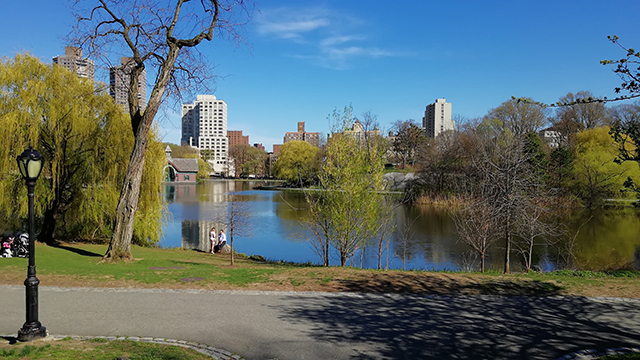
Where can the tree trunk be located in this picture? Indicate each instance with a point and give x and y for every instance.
(507, 236)
(231, 245)
(120, 245)
(47, 233)
(326, 253)
(482, 262)
(380, 255)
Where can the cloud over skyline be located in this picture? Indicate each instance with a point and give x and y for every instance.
(326, 38)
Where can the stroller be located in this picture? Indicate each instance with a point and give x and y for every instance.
(16, 246)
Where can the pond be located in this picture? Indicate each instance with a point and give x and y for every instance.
(424, 238)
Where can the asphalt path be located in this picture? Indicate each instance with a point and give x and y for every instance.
(289, 325)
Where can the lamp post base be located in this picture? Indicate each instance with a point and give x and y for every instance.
(31, 331)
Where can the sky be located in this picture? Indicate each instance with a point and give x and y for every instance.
(299, 60)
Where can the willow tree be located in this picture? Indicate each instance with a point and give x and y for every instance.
(298, 163)
(348, 204)
(82, 134)
(162, 35)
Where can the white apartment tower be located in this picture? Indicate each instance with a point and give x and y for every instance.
(119, 79)
(204, 126)
(437, 118)
(73, 61)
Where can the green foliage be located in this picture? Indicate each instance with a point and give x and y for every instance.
(255, 162)
(346, 211)
(86, 140)
(248, 160)
(626, 133)
(596, 176)
(560, 167)
(203, 166)
(298, 163)
(535, 154)
(182, 151)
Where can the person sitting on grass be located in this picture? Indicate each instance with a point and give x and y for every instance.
(222, 240)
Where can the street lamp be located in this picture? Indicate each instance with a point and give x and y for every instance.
(30, 165)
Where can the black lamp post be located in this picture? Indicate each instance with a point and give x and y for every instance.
(30, 165)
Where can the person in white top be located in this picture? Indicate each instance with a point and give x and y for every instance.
(212, 238)
(222, 240)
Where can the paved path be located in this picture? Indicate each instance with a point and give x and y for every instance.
(272, 325)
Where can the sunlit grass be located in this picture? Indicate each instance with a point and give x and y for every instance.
(98, 350)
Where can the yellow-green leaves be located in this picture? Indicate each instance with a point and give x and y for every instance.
(86, 140)
(298, 162)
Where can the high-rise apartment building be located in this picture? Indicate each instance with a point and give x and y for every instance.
(236, 138)
(119, 78)
(204, 126)
(312, 138)
(437, 118)
(73, 61)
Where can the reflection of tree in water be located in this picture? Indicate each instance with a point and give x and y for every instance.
(620, 230)
(609, 239)
(292, 209)
(432, 235)
(190, 234)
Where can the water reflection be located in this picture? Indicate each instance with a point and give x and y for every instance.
(424, 238)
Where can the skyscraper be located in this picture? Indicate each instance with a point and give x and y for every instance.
(73, 61)
(119, 78)
(437, 118)
(204, 126)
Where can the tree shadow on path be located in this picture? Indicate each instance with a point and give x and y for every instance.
(465, 327)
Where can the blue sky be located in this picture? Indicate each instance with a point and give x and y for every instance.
(302, 59)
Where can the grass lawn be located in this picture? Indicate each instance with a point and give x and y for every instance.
(96, 349)
(79, 265)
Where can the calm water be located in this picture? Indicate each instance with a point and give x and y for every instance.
(424, 238)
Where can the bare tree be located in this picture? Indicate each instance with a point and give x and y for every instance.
(234, 216)
(504, 172)
(579, 112)
(320, 225)
(386, 227)
(477, 227)
(404, 239)
(408, 137)
(520, 116)
(535, 226)
(164, 37)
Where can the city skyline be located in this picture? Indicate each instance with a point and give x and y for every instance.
(301, 61)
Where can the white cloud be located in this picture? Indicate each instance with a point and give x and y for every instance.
(289, 23)
(335, 40)
(323, 35)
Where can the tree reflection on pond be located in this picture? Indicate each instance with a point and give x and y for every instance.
(424, 238)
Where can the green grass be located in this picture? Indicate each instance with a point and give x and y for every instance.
(84, 260)
(80, 265)
(632, 356)
(90, 350)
